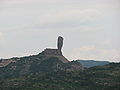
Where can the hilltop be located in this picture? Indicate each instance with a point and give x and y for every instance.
(37, 64)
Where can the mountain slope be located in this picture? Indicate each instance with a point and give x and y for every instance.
(96, 78)
(92, 63)
(36, 64)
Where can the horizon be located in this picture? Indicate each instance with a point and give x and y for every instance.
(90, 28)
(69, 60)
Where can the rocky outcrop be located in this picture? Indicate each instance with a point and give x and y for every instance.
(60, 43)
(58, 52)
(52, 52)
(48, 52)
(5, 62)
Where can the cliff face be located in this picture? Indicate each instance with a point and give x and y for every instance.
(5, 62)
(48, 52)
(54, 53)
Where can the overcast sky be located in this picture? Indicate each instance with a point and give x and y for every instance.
(91, 28)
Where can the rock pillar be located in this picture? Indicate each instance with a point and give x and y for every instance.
(60, 43)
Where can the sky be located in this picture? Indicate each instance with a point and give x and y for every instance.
(91, 28)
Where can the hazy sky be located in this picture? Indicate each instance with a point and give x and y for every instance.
(91, 28)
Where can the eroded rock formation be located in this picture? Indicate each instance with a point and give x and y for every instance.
(58, 52)
(48, 52)
(60, 43)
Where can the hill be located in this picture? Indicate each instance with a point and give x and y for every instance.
(40, 63)
(48, 61)
(92, 63)
(96, 78)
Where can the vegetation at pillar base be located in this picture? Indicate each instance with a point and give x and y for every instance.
(105, 77)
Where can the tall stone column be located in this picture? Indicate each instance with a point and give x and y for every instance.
(60, 43)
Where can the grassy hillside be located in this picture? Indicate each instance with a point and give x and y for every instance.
(96, 78)
(36, 64)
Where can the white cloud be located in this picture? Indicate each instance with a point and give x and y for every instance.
(95, 53)
(1, 36)
(86, 22)
(69, 19)
(1, 40)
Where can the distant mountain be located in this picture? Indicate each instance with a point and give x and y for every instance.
(92, 63)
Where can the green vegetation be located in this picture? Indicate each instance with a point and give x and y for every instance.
(36, 64)
(38, 72)
(96, 78)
